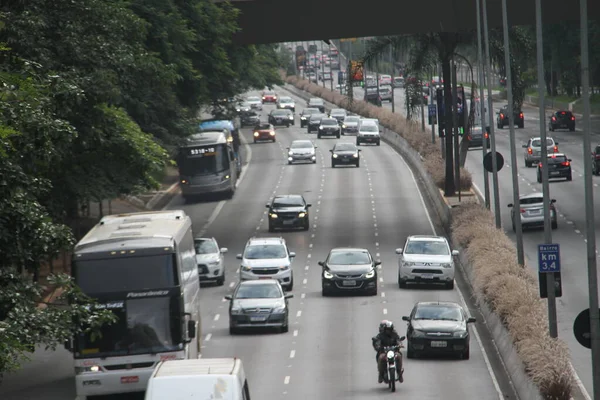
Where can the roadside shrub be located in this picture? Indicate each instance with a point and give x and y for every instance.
(511, 291)
(409, 130)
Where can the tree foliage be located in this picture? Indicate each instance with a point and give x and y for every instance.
(91, 93)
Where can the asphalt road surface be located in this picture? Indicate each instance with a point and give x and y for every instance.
(327, 352)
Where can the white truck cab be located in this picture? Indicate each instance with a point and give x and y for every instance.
(205, 378)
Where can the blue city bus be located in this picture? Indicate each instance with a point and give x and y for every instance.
(233, 126)
(207, 165)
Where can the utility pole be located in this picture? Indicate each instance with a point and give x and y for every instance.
(393, 71)
(322, 66)
(486, 177)
(589, 202)
(455, 128)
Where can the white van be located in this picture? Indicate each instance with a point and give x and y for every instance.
(205, 378)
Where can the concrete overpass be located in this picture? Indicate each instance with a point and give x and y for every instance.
(275, 21)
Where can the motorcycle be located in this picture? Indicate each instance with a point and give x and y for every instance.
(390, 352)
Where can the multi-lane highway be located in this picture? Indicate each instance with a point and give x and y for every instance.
(327, 352)
(569, 200)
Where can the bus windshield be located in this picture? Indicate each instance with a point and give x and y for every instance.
(143, 326)
(203, 160)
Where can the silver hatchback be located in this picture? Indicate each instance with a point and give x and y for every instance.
(531, 211)
(533, 150)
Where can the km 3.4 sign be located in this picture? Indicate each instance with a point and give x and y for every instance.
(549, 258)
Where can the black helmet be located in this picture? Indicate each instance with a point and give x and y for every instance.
(389, 326)
(382, 325)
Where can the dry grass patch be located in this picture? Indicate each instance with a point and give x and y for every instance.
(409, 130)
(512, 293)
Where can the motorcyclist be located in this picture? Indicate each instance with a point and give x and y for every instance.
(387, 336)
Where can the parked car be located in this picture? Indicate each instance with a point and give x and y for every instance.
(562, 119)
(531, 211)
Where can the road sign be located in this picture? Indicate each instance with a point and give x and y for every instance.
(548, 258)
(582, 329)
(487, 162)
(432, 110)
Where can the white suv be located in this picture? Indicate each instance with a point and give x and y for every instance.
(368, 132)
(267, 258)
(426, 259)
(209, 258)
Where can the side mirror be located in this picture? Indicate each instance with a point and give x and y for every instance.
(292, 254)
(378, 262)
(524, 146)
(191, 329)
(455, 252)
(359, 150)
(553, 201)
(405, 318)
(569, 160)
(228, 297)
(471, 319)
(555, 142)
(288, 295)
(308, 205)
(402, 338)
(331, 151)
(510, 205)
(238, 256)
(267, 205)
(321, 263)
(399, 250)
(224, 249)
(287, 148)
(316, 147)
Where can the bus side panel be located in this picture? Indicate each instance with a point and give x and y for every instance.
(190, 283)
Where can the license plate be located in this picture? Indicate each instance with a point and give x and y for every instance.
(258, 319)
(349, 283)
(290, 222)
(427, 276)
(264, 277)
(535, 212)
(439, 343)
(130, 379)
(554, 172)
(345, 159)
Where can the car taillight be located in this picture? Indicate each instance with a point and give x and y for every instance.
(540, 165)
(553, 118)
(597, 156)
(469, 137)
(501, 115)
(521, 115)
(530, 150)
(556, 149)
(486, 135)
(565, 164)
(572, 118)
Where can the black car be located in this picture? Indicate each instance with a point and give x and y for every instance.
(502, 119)
(345, 154)
(329, 127)
(372, 96)
(314, 122)
(437, 327)
(477, 138)
(249, 118)
(259, 304)
(316, 103)
(559, 166)
(339, 114)
(349, 269)
(562, 119)
(288, 211)
(305, 115)
(596, 161)
(281, 117)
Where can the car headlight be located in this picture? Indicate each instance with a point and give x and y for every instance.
(255, 134)
(273, 215)
(89, 368)
(290, 159)
(246, 268)
(335, 156)
(355, 155)
(460, 334)
(343, 126)
(284, 267)
(320, 126)
(327, 275)
(272, 133)
(291, 117)
(301, 215)
(279, 310)
(291, 153)
(213, 263)
(236, 311)
(226, 177)
(417, 333)
(370, 274)
(408, 264)
(303, 118)
(447, 265)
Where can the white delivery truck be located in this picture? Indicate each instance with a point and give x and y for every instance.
(205, 378)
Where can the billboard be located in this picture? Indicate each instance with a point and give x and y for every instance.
(356, 71)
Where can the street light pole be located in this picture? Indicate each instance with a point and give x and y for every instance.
(552, 319)
(488, 69)
(322, 66)
(486, 178)
(589, 203)
(513, 149)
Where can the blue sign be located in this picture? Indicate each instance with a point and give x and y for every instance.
(548, 258)
(432, 110)
(216, 125)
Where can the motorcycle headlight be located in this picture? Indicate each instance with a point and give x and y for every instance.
(89, 368)
(327, 275)
(370, 274)
(390, 355)
(417, 333)
(460, 334)
(447, 265)
(335, 156)
(246, 268)
(273, 215)
(355, 155)
(301, 215)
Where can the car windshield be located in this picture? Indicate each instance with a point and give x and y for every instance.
(252, 99)
(316, 117)
(262, 127)
(267, 291)
(557, 159)
(269, 94)
(315, 101)
(427, 247)
(531, 200)
(288, 202)
(285, 100)
(349, 258)
(338, 112)
(308, 111)
(344, 147)
(369, 128)
(205, 246)
(352, 119)
(265, 251)
(538, 142)
(329, 122)
(279, 112)
(438, 312)
(301, 145)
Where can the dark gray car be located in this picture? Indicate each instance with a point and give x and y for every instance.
(345, 154)
(476, 138)
(258, 304)
(329, 127)
(314, 122)
(349, 269)
(305, 115)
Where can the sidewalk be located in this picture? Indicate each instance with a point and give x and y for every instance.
(154, 200)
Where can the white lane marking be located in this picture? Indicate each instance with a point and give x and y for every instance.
(299, 313)
(208, 336)
(376, 244)
(385, 311)
(381, 280)
(303, 295)
(377, 255)
(292, 353)
(232, 284)
(304, 281)
(310, 245)
(383, 293)
(286, 381)
(296, 332)
(217, 317)
(308, 256)
(577, 231)
(307, 267)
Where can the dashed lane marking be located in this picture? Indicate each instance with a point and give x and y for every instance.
(385, 311)
(292, 353)
(217, 317)
(208, 336)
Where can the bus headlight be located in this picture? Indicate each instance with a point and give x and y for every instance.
(89, 368)
(226, 177)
